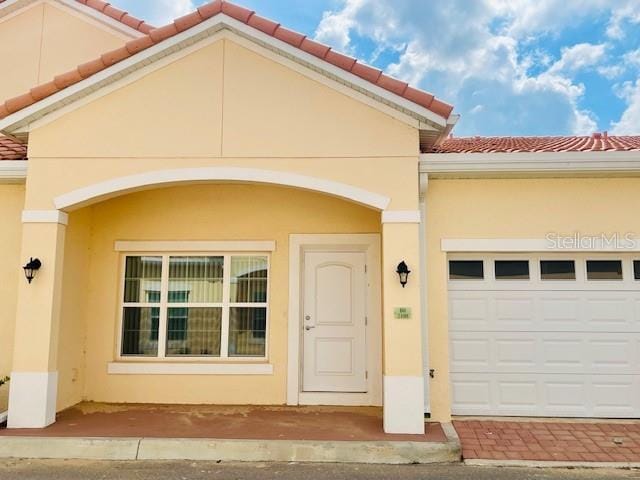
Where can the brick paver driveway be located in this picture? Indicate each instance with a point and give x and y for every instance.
(549, 441)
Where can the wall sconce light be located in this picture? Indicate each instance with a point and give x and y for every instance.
(403, 272)
(31, 268)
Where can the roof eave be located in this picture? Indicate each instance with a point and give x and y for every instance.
(10, 6)
(528, 164)
(18, 122)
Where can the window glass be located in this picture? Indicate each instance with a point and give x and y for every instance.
(142, 279)
(466, 270)
(512, 269)
(248, 279)
(195, 279)
(182, 311)
(604, 269)
(636, 269)
(194, 331)
(140, 331)
(247, 329)
(558, 270)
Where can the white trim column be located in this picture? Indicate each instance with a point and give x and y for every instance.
(34, 380)
(402, 327)
(424, 319)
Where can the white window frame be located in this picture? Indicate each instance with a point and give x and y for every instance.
(226, 306)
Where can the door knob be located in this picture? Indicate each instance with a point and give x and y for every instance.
(309, 327)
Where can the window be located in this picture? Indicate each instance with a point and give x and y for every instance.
(195, 306)
(636, 269)
(466, 270)
(604, 269)
(512, 269)
(557, 270)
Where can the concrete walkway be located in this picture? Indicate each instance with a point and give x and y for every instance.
(547, 443)
(219, 433)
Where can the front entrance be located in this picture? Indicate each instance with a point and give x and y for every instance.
(334, 322)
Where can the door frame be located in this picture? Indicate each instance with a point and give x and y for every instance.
(299, 244)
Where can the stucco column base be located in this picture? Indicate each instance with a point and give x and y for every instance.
(32, 400)
(404, 404)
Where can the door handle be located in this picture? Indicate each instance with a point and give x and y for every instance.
(309, 327)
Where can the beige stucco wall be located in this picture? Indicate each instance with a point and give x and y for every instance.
(258, 114)
(203, 212)
(11, 202)
(46, 39)
(230, 106)
(511, 208)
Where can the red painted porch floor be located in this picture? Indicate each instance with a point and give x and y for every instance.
(225, 422)
(566, 441)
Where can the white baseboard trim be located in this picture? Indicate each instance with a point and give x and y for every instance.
(404, 404)
(32, 399)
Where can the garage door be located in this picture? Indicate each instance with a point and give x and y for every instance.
(549, 335)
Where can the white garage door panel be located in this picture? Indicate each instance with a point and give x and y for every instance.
(544, 352)
(545, 348)
(550, 311)
(546, 395)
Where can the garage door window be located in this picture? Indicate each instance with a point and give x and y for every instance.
(558, 270)
(512, 269)
(466, 270)
(604, 269)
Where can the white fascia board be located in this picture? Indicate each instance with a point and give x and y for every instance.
(525, 245)
(15, 122)
(10, 6)
(102, 18)
(13, 170)
(532, 163)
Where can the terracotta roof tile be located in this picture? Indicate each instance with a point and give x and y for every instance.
(115, 13)
(12, 150)
(263, 24)
(203, 13)
(598, 142)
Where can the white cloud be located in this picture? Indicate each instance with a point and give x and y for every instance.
(611, 71)
(157, 12)
(629, 123)
(632, 58)
(578, 57)
(625, 12)
(471, 53)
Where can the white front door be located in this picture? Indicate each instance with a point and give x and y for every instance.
(334, 322)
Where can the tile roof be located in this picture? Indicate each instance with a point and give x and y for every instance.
(247, 17)
(598, 142)
(117, 14)
(12, 150)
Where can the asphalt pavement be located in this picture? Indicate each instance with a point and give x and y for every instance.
(180, 470)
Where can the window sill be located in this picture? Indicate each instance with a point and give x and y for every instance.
(157, 368)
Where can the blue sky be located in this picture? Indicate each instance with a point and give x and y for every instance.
(510, 67)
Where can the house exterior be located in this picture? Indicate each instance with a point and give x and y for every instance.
(220, 207)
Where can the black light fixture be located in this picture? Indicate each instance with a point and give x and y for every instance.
(31, 268)
(403, 272)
